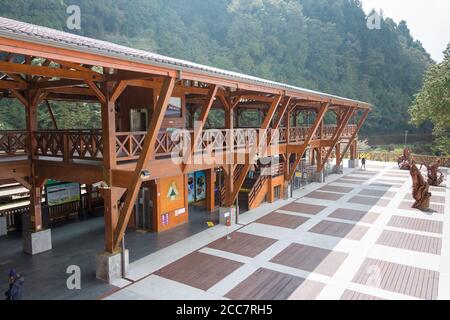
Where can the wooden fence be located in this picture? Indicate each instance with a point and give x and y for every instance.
(393, 156)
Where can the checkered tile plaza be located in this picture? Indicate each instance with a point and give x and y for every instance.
(355, 237)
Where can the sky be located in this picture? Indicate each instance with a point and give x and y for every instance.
(428, 20)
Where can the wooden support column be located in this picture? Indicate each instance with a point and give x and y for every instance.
(228, 168)
(210, 187)
(311, 134)
(265, 125)
(201, 124)
(147, 153)
(353, 150)
(287, 163)
(336, 137)
(32, 99)
(338, 152)
(110, 195)
(355, 134)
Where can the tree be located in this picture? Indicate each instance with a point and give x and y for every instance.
(432, 103)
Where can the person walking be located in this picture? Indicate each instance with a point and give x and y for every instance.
(363, 163)
(15, 286)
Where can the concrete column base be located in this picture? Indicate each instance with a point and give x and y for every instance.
(227, 213)
(108, 266)
(287, 190)
(319, 177)
(37, 242)
(338, 169)
(353, 163)
(3, 227)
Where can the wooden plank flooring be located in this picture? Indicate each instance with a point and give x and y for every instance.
(410, 241)
(303, 208)
(282, 220)
(337, 189)
(355, 215)
(265, 284)
(434, 198)
(434, 207)
(243, 243)
(407, 280)
(377, 193)
(355, 177)
(425, 225)
(308, 290)
(340, 230)
(324, 196)
(370, 201)
(353, 295)
(199, 270)
(310, 259)
(350, 181)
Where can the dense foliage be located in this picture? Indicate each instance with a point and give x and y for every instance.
(433, 102)
(318, 44)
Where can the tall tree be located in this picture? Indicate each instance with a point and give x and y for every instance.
(432, 103)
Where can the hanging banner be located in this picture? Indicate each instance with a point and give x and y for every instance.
(200, 185)
(191, 187)
(57, 194)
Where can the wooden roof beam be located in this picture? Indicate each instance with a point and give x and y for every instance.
(15, 68)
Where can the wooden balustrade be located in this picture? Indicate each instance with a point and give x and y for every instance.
(88, 144)
(13, 143)
(69, 144)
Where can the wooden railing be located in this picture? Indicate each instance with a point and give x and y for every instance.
(88, 144)
(237, 173)
(69, 144)
(259, 184)
(13, 143)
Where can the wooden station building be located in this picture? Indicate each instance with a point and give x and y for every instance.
(144, 97)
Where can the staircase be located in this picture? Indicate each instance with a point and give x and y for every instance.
(245, 194)
(254, 190)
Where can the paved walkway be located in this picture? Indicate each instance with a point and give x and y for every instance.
(45, 274)
(355, 237)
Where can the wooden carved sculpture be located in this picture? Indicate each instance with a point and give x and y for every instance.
(404, 162)
(420, 189)
(435, 177)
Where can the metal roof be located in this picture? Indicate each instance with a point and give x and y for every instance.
(42, 35)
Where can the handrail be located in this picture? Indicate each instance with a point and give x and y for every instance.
(87, 144)
(13, 143)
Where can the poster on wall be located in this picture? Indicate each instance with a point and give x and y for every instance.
(191, 187)
(57, 194)
(200, 185)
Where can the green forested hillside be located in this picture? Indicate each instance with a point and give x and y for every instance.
(318, 44)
